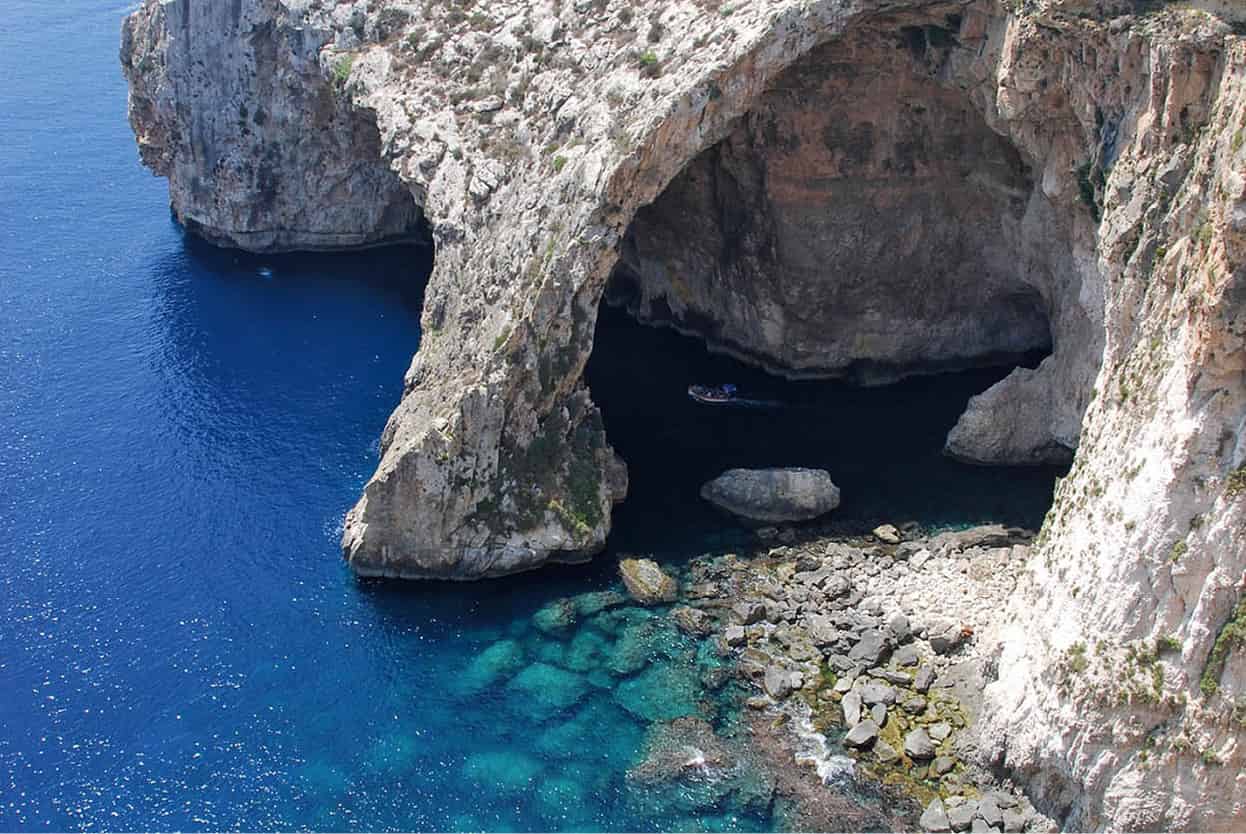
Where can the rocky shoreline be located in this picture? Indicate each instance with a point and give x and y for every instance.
(874, 648)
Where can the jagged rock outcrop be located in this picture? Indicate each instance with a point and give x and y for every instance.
(1111, 207)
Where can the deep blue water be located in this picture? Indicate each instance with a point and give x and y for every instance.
(181, 431)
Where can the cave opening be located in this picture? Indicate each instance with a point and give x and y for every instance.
(863, 252)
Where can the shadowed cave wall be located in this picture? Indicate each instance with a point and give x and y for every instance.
(862, 221)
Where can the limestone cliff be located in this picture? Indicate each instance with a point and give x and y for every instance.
(826, 187)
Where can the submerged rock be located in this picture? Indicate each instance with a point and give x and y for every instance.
(642, 642)
(503, 771)
(594, 602)
(497, 662)
(684, 747)
(549, 688)
(663, 692)
(767, 495)
(646, 581)
(555, 617)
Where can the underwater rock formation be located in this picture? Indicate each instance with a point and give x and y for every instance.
(926, 184)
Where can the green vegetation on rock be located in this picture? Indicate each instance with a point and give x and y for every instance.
(1232, 635)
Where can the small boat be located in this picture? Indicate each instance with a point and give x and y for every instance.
(713, 394)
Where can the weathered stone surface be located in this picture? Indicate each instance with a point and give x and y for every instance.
(862, 735)
(885, 753)
(780, 683)
(232, 134)
(852, 708)
(887, 534)
(877, 693)
(646, 581)
(692, 621)
(773, 494)
(990, 812)
(917, 745)
(870, 649)
(734, 636)
(1014, 821)
(747, 613)
(907, 656)
(961, 816)
(947, 639)
(899, 628)
(934, 818)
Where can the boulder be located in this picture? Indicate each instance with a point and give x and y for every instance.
(877, 693)
(961, 816)
(942, 765)
(779, 683)
(990, 813)
(914, 705)
(852, 708)
(899, 627)
(990, 535)
(692, 621)
(917, 745)
(887, 534)
(734, 636)
(767, 495)
(871, 649)
(885, 753)
(924, 679)
(934, 818)
(1014, 821)
(646, 582)
(862, 735)
(749, 613)
(946, 638)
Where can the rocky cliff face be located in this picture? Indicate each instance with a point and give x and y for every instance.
(229, 102)
(938, 181)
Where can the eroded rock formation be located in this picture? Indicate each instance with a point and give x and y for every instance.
(862, 219)
(1098, 164)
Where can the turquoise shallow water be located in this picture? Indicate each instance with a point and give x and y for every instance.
(181, 431)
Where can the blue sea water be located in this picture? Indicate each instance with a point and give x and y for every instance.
(181, 431)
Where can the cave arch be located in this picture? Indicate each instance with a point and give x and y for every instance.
(865, 220)
(861, 220)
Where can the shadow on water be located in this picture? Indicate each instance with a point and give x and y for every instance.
(882, 446)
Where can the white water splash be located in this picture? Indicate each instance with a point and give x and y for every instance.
(812, 748)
